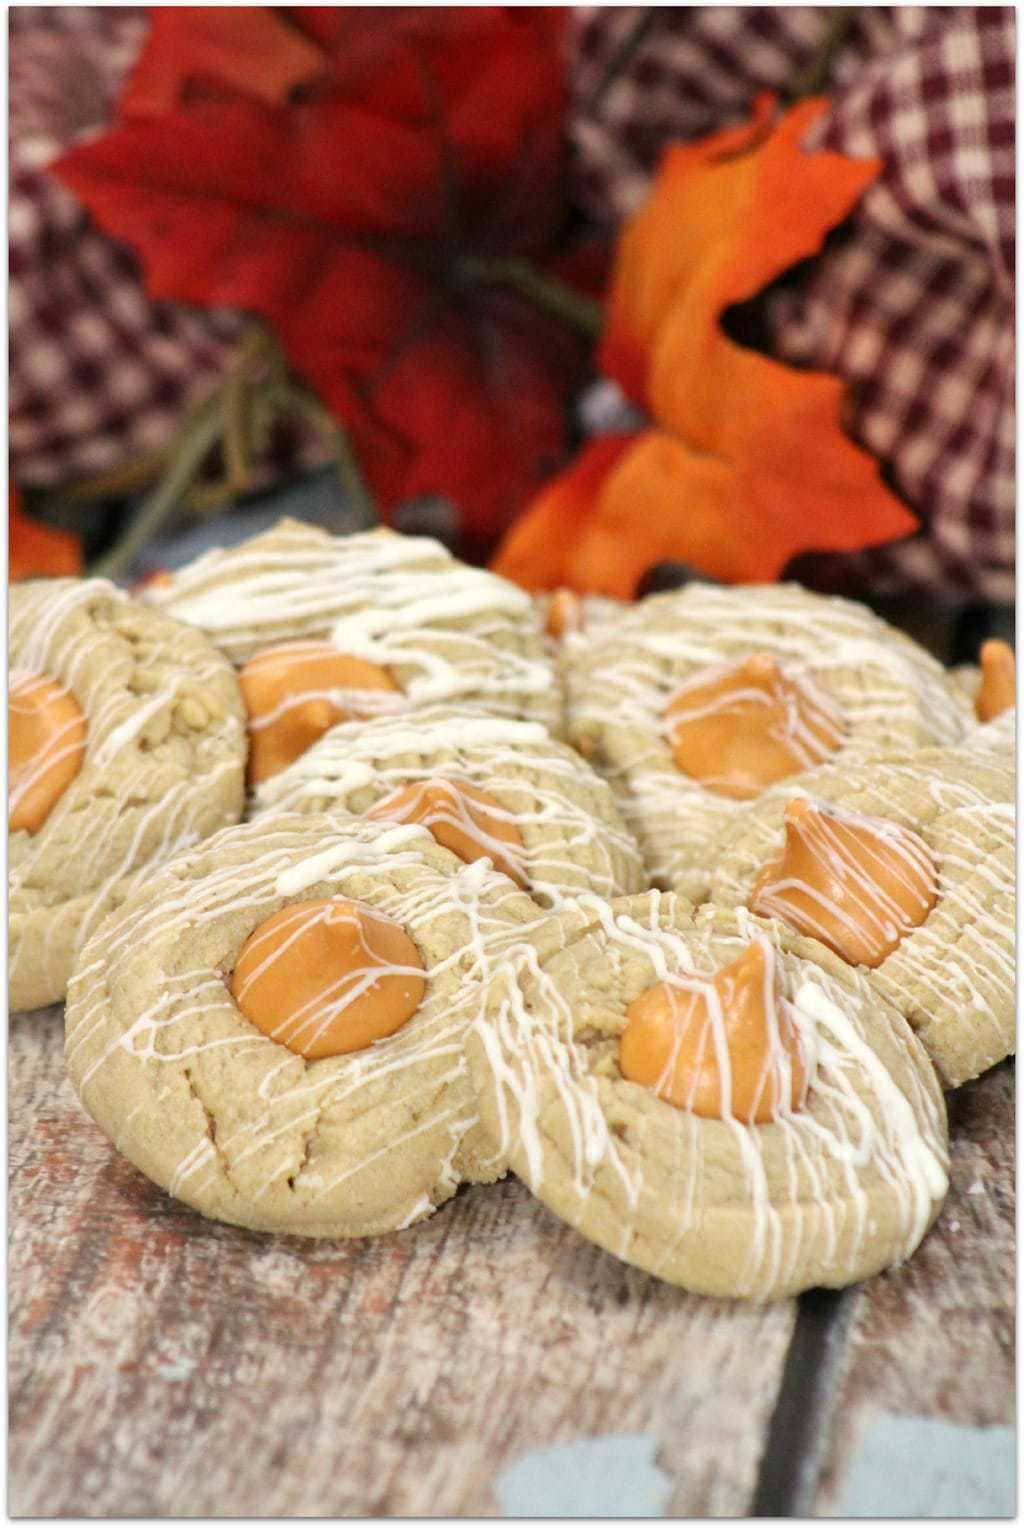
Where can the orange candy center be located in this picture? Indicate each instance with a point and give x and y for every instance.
(467, 821)
(740, 730)
(565, 613)
(45, 746)
(857, 884)
(998, 691)
(723, 1048)
(327, 978)
(294, 694)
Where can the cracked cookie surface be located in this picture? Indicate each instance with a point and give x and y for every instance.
(572, 836)
(229, 1120)
(444, 631)
(163, 764)
(889, 694)
(952, 977)
(827, 1193)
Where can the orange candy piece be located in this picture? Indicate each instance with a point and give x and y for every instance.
(46, 733)
(855, 884)
(740, 731)
(677, 1038)
(461, 818)
(328, 978)
(565, 613)
(291, 696)
(998, 691)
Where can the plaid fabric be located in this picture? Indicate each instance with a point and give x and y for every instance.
(98, 374)
(912, 302)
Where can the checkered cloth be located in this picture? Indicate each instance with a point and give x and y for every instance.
(912, 303)
(99, 375)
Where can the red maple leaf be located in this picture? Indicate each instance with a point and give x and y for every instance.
(360, 206)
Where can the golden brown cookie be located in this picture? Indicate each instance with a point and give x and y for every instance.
(326, 628)
(906, 866)
(700, 698)
(485, 784)
(271, 1028)
(710, 1098)
(127, 745)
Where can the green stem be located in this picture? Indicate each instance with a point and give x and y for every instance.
(581, 313)
(197, 438)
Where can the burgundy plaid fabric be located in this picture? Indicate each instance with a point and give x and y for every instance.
(912, 302)
(98, 374)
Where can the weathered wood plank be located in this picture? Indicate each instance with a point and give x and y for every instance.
(163, 1365)
(935, 1338)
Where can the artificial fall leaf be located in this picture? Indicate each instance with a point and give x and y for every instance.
(746, 464)
(34, 550)
(196, 51)
(549, 537)
(356, 219)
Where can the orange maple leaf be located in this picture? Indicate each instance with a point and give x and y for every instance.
(34, 549)
(746, 464)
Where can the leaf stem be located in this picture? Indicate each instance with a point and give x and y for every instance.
(360, 500)
(581, 313)
(196, 439)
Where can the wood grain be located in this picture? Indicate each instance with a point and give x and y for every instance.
(163, 1365)
(935, 1337)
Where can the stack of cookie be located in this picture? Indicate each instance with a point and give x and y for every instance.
(684, 911)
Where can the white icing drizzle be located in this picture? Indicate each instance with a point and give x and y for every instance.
(573, 838)
(48, 635)
(442, 629)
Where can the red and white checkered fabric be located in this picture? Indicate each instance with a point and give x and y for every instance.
(98, 373)
(912, 302)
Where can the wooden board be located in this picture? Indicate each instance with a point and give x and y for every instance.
(163, 1365)
(934, 1339)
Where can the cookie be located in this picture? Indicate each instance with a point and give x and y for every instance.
(127, 745)
(702, 697)
(271, 1029)
(905, 867)
(484, 785)
(326, 628)
(711, 1098)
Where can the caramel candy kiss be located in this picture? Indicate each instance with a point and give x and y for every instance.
(292, 695)
(857, 884)
(461, 818)
(998, 690)
(565, 613)
(740, 730)
(724, 1048)
(327, 978)
(45, 746)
